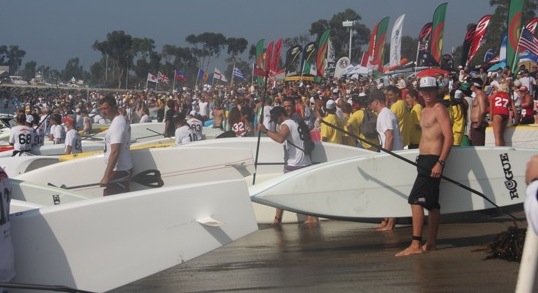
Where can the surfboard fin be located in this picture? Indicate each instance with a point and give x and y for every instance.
(208, 221)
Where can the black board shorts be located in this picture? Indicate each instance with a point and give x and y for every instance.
(425, 191)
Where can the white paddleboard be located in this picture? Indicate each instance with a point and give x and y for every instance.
(101, 244)
(17, 165)
(521, 136)
(271, 164)
(271, 153)
(43, 195)
(177, 166)
(378, 185)
(57, 149)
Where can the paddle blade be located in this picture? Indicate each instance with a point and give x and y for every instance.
(148, 178)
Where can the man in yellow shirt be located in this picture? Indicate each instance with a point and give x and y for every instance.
(354, 123)
(328, 133)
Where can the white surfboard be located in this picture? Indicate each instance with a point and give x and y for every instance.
(57, 149)
(378, 185)
(39, 194)
(521, 136)
(101, 244)
(271, 164)
(271, 153)
(177, 166)
(15, 166)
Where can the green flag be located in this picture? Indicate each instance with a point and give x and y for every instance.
(260, 61)
(514, 30)
(322, 52)
(438, 27)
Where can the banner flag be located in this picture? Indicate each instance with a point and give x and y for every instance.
(514, 29)
(396, 41)
(152, 78)
(438, 28)
(478, 36)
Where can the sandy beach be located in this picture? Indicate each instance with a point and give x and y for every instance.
(345, 257)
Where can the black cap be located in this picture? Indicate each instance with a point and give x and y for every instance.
(276, 112)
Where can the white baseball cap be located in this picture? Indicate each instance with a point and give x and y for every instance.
(427, 82)
(331, 104)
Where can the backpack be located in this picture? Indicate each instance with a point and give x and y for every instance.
(304, 133)
(368, 125)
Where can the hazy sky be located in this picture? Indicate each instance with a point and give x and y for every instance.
(53, 31)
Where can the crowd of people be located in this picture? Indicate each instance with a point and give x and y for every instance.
(391, 113)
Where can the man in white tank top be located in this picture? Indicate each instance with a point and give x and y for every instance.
(289, 133)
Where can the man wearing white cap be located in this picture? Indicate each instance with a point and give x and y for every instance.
(328, 133)
(434, 147)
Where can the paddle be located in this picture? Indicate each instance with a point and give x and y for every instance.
(156, 133)
(149, 178)
(259, 133)
(415, 164)
(41, 287)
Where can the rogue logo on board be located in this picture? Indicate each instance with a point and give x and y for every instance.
(510, 183)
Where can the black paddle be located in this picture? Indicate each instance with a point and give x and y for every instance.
(415, 164)
(41, 287)
(157, 133)
(149, 178)
(259, 133)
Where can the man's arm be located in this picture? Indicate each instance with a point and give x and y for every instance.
(443, 119)
(389, 139)
(279, 136)
(112, 161)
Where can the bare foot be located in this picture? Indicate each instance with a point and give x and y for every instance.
(428, 247)
(386, 228)
(382, 225)
(311, 220)
(410, 250)
(277, 221)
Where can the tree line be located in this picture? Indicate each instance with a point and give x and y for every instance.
(126, 60)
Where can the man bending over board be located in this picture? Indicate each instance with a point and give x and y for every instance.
(434, 148)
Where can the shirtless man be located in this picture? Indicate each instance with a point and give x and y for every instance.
(478, 115)
(434, 148)
(219, 116)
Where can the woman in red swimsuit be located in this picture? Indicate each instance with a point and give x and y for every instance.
(500, 105)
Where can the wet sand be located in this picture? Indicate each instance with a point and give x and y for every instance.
(342, 256)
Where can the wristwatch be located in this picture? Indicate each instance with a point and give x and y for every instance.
(441, 162)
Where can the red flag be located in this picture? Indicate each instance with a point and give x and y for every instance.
(478, 36)
(275, 60)
(268, 56)
(258, 71)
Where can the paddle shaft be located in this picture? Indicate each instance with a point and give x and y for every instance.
(259, 133)
(144, 178)
(41, 287)
(377, 146)
(157, 133)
